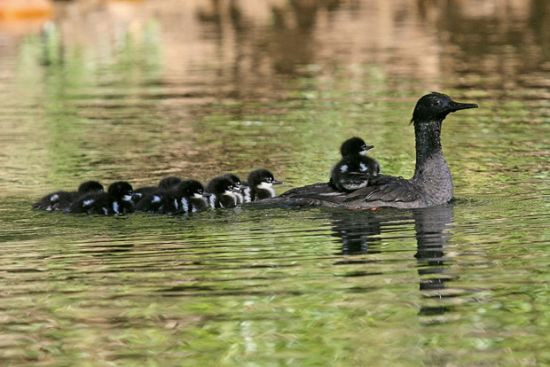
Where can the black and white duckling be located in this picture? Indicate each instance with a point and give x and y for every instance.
(167, 183)
(222, 190)
(187, 197)
(355, 169)
(117, 200)
(261, 183)
(242, 190)
(61, 200)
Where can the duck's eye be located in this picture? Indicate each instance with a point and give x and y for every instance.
(437, 102)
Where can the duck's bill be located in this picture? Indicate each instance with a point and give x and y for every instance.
(456, 106)
(276, 182)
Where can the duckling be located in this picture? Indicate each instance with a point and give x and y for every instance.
(355, 169)
(117, 200)
(222, 190)
(61, 200)
(166, 183)
(187, 197)
(261, 183)
(241, 191)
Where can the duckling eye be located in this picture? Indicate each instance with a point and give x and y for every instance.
(437, 102)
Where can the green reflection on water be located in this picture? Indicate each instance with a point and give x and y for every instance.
(466, 286)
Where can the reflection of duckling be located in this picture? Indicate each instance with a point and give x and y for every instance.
(355, 169)
(166, 183)
(117, 200)
(61, 200)
(185, 198)
(261, 183)
(223, 195)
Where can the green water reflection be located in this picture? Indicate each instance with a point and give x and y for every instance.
(140, 90)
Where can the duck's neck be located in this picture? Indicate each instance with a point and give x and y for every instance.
(432, 173)
(428, 143)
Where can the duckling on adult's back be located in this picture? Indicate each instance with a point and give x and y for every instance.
(431, 184)
(355, 169)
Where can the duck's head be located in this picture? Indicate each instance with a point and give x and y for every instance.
(121, 190)
(89, 187)
(354, 146)
(262, 178)
(234, 178)
(169, 182)
(435, 107)
(221, 185)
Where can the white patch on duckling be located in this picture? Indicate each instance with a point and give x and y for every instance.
(185, 205)
(362, 167)
(105, 211)
(344, 168)
(232, 195)
(238, 197)
(54, 197)
(247, 196)
(87, 202)
(268, 186)
(212, 201)
(156, 199)
(176, 205)
(116, 207)
(127, 198)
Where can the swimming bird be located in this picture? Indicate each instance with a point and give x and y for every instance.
(187, 197)
(117, 200)
(241, 190)
(261, 183)
(61, 200)
(223, 190)
(166, 183)
(355, 169)
(430, 185)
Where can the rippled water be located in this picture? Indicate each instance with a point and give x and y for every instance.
(140, 90)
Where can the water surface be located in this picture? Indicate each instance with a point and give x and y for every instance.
(141, 90)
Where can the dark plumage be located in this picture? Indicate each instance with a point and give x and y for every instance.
(240, 189)
(166, 183)
(222, 189)
(188, 196)
(261, 183)
(117, 200)
(355, 169)
(431, 184)
(61, 200)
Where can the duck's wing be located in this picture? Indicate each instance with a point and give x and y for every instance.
(388, 189)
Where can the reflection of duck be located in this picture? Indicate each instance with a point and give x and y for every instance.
(431, 184)
(431, 227)
(359, 231)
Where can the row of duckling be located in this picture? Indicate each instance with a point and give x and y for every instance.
(172, 195)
